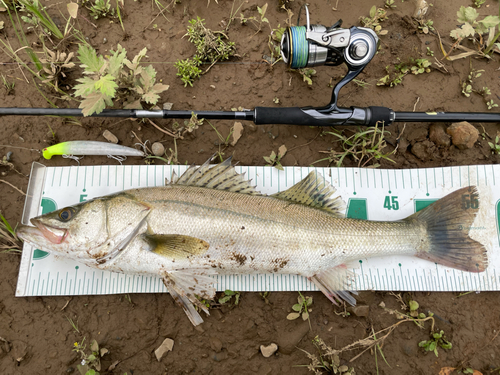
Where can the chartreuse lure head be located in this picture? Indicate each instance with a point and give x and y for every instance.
(58, 149)
(89, 148)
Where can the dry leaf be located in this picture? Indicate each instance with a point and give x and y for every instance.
(73, 10)
(113, 365)
(166, 346)
(237, 132)
(282, 151)
(446, 370)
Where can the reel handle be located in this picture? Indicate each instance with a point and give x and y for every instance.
(320, 117)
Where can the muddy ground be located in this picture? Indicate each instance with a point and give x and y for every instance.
(36, 337)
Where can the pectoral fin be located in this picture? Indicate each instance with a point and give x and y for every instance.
(334, 282)
(185, 285)
(176, 246)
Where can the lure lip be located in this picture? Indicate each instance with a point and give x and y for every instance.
(51, 233)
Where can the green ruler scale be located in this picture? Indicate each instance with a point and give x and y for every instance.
(373, 194)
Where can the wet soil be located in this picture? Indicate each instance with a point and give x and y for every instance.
(35, 335)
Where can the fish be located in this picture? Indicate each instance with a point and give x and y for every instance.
(212, 221)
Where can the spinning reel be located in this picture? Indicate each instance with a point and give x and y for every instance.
(313, 45)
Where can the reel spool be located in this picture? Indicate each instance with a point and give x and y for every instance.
(313, 45)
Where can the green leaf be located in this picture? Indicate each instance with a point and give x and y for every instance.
(95, 103)
(490, 21)
(229, 292)
(422, 344)
(413, 305)
(297, 307)
(150, 98)
(309, 301)
(432, 346)
(86, 86)
(107, 85)
(116, 61)
(446, 345)
(373, 11)
(224, 299)
(468, 14)
(262, 11)
(89, 59)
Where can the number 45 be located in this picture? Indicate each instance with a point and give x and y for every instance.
(391, 203)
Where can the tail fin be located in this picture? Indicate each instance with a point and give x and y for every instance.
(448, 222)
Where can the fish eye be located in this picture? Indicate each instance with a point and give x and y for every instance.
(66, 214)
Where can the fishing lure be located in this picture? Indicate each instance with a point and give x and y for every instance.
(89, 148)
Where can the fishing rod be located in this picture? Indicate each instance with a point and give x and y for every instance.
(301, 46)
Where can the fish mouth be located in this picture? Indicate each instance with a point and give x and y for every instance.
(53, 234)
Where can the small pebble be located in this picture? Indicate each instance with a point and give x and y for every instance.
(168, 106)
(8, 156)
(104, 41)
(463, 135)
(269, 350)
(359, 310)
(216, 344)
(110, 136)
(158, 149)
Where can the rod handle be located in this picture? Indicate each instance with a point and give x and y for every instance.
(287, 115)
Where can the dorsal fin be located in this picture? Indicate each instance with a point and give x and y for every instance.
(222, 176)
(314, 191)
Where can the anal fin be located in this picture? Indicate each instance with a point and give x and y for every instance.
(185, 285)
(334, 283)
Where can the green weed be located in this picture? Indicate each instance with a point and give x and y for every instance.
(38, 18)
(110, 77)
(474, 28)
(9, 86)
(273, 42)
(377, 15)
(301, 308)
(307, 74)
(363, 146)
(228, 297)
(188, 70)
(90, 362)
(274, 160)
(399, 71)
(495, 147)
(326, 360)
(211, 46)
(478, 3)
(437, 340)
(99, 8)
(491, 104)
(389, 4)
(258, 22)
(9, 242)
(425, 26)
